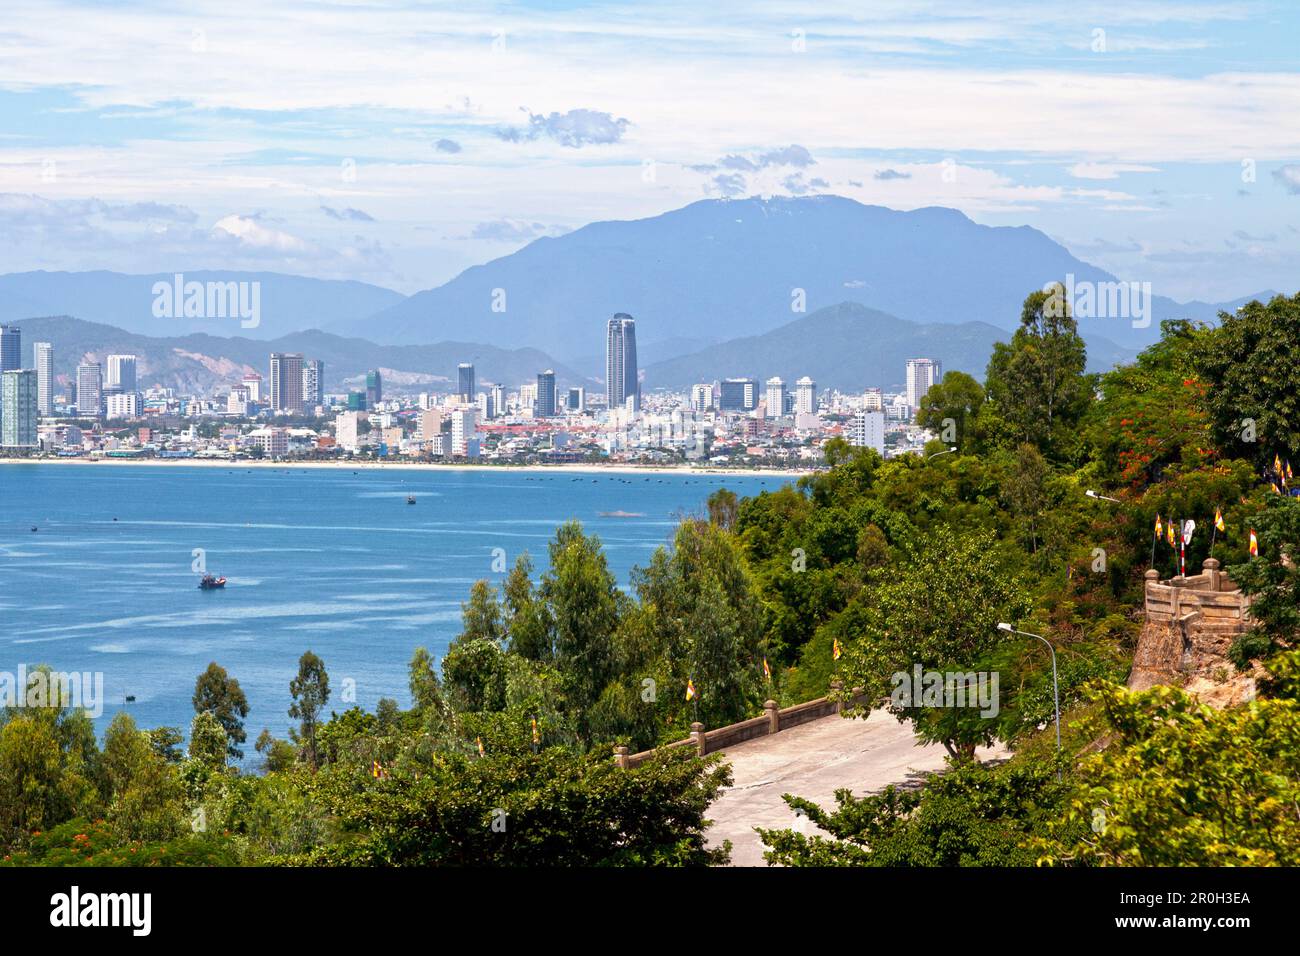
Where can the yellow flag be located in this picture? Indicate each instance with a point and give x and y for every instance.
(1277, 463)
(767, 671)
(1218, 520)
(536, 737)
(835, 650)
(1159, 527)
(690, 689)
(1170, 528)
(479, 741)
(1254, 544)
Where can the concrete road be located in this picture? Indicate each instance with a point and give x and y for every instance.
(813, 761)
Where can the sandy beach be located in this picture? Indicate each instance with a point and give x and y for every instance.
(581, 467)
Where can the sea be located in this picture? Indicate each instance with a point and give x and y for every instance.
(100, 564)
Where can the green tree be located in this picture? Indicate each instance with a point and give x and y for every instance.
(956, 399)
(219, 694)
(209, 744)
(1037, 381)
(311, 691)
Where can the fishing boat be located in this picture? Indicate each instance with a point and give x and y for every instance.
(210, 583)
(410, 499)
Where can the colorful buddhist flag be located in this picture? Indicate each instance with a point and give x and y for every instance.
(377, 770)
(690, 689)
(1276, 490)
(1277, 464)
(1170, 529)
(1254, 544)
(835, 650)
(479, 741)
(767, 671)
(1218, 520)
(537, 738)
(1159, 527)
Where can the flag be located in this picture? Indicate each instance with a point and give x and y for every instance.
(1218, 520)
(536, 737)
(1277, 464)
(767, 671)
(479, 741)
(1159, 526)
(1288, 469)
(1170, 529)
(690, 689)
(835, 650)
(377, 769)
(1276, 490)
(1254, 544)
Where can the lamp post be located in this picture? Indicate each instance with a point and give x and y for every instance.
(1092, 494)
(1056, 694)
(946, 451)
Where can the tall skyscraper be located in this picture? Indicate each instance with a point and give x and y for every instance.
(620, 363)
(702, 397)
(775, 398)
(11, 348)
(90, 389)
(43, 353)
(498, 402)
(374, 388)
(805, 396)
(545, 407)
(465, 382)
(18, 408)
(921, 374)
(120, 375)
(286, 382)
(577, 400)
(313, 382)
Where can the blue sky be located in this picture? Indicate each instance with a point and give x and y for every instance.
(399, 143)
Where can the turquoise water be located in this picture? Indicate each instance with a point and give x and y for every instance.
(331, 560)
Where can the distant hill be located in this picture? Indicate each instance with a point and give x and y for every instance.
(287, 303)
(202, 364)
(723, 269)
(849, 346)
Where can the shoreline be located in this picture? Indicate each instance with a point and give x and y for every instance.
(583, 467)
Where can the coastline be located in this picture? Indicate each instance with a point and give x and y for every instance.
(580, 467)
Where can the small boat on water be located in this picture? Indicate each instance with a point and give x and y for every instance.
(410, 499)
(210, 583)
(621, 514)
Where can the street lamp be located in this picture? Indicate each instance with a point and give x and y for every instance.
(946, 451)
(1092, 494)
(1056, 694)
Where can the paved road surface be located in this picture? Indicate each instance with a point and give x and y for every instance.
(813, 761)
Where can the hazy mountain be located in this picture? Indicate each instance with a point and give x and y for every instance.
(849, 346)
(286, 303)
(721, 269)
(202, 364)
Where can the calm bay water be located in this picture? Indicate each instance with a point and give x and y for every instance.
(332, 560)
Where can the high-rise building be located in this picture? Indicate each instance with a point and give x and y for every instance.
(702, 397)
(253, 382)
(374, 388)
(873, 400)
(90, 389)
(577, 400)
(498, 402)
(43, 353)
(620, 363)
(123, 405)
(11, 348)
(867, 430)
(464, 440)
(775, 399)
(921, 374)
(465, 382)
(18, 415)
(286, 382)
(805, 396)
(545, 407)
(313, 382)
(347, 430)
(238, 400)
(738, 395)
(120, 374)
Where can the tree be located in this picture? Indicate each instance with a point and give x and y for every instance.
(426, 690)
(208, 742)
(956, 399)
(723, 508)
(1253, 397)
(939, 610)
(1037, 382)
(310, 691)
(219, 694)
(1272, 581)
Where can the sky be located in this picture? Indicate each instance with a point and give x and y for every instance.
(400, 143)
